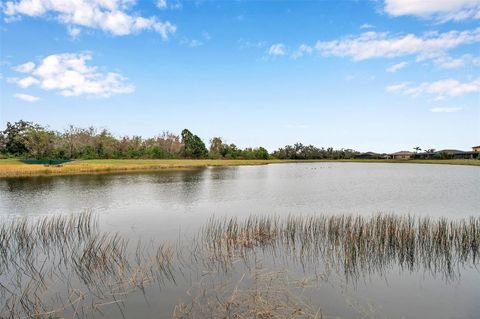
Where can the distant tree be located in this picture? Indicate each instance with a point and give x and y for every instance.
(299, 151)
(193, 145)
(170, 143)
(14, 139)
(40, 142)
(32, 140)
(261, 153)
(417, 149)
(443, 155)
(216, 145)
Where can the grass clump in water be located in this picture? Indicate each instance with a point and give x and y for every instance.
(358, 244)
(43, 258)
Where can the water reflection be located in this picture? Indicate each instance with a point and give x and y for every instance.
(282, 189)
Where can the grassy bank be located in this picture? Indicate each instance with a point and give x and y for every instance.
(14, 167)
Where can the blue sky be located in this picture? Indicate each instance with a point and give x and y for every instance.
(368, 75)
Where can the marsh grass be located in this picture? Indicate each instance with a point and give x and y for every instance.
(359, 245)
(64, 266)
(15, 168)
(258, 294)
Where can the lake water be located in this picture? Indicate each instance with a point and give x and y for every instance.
(168, 205)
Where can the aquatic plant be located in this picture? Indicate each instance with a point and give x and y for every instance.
(359, 244)
(64, 266)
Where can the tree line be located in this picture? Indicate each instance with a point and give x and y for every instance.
(29, 140)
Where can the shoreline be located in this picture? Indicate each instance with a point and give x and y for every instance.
(14, 168)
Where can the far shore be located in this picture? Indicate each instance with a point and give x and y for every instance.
(15, 168)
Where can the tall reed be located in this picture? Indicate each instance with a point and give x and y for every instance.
(359, 244)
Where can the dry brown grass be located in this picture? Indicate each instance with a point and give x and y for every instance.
(14, 168)
(258, 294)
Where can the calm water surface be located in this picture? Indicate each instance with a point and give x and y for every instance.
(168, 204)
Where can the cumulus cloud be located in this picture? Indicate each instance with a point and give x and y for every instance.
(277, 49)
(383, 45)
(26, 82)
(394, 68)
(25, 68)
(74, 32)
(446, 109)
(26, 97)
(108, 15)
(302, 50)
(448, 62)
(70, 75)
(440, 89)
(440, 10)
(396, 87)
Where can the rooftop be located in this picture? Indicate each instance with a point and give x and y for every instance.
(402, 153)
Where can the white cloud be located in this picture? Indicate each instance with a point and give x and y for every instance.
(366, 26)
(193, 43)
(302, 50)
(277, 49)
(245, 44)
(440, 89)
(27, 81)
(165, 29)
(26, 97)
(25, 68)
(394, 68)
(446, 109)
(73, 31)
(70, 75)
(448, 62)
(440, 10)
(396, 87)
(382, 45)
(175, 5)
(162, 4)
(108, 15)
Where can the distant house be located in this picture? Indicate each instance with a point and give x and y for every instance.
(402, 155)
(465, 155)
(370, 155)
(476, 149)
(456, 154)
(367, 155)
(447, 154)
